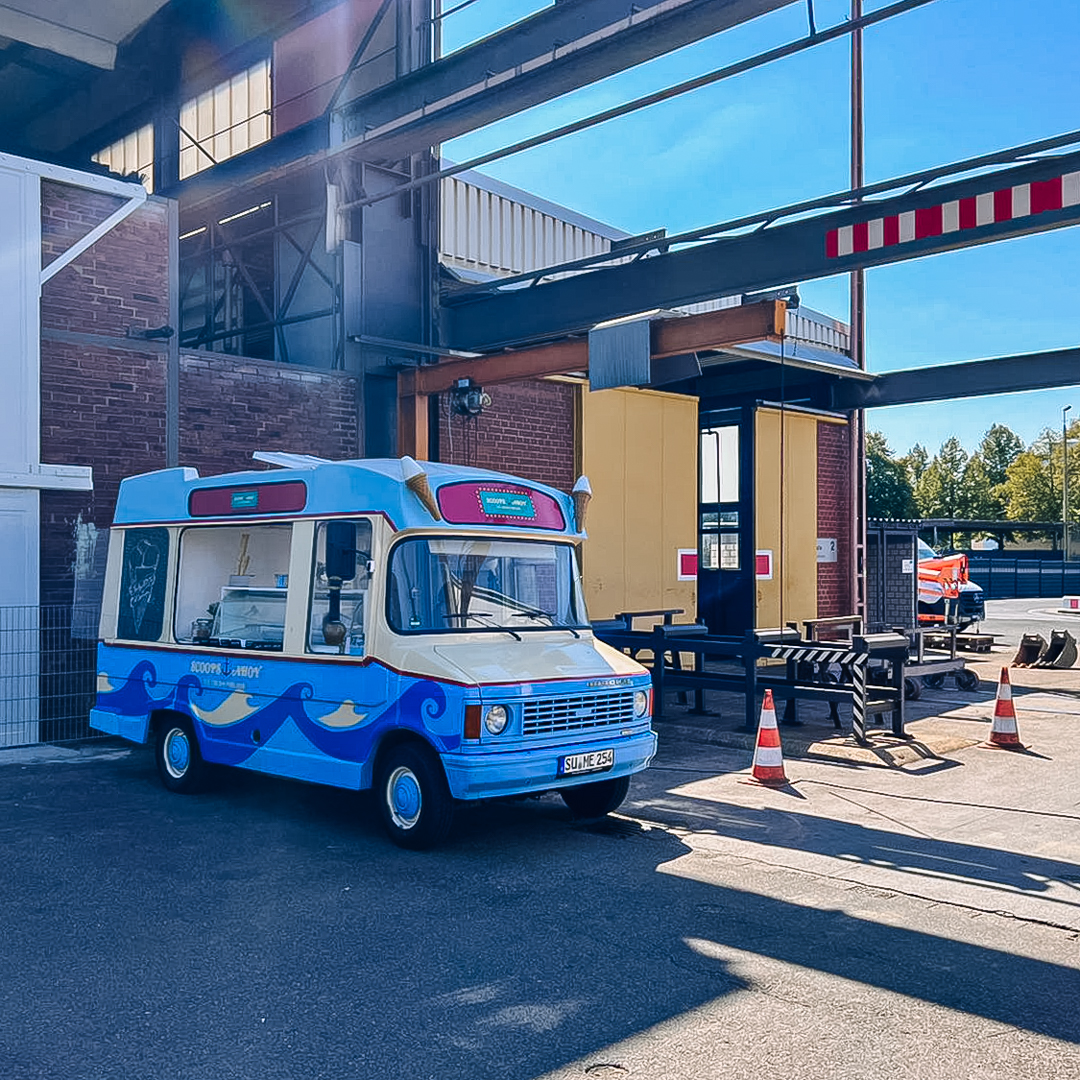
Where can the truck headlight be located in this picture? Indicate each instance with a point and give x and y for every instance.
(641, 703)
(495, 719)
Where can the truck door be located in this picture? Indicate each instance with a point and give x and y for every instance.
(349, 690)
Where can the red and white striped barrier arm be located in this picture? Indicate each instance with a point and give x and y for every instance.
(956, 216)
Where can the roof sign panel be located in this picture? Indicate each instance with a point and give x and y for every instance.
(496, 503)
(285, 497)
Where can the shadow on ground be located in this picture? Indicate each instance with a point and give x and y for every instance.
(267, 930)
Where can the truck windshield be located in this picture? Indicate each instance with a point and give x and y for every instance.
(439, 585)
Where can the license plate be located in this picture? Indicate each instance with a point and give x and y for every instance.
(592, 761)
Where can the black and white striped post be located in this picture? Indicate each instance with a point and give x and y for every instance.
(820, 658)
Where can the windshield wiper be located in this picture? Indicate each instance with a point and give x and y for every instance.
(536, 613)
(479, 616)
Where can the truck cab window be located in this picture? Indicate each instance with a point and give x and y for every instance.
(444, 585)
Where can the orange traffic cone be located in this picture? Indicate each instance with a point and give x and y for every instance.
(768, 767)
(1003, 733)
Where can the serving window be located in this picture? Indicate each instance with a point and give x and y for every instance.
(232, 586)
(339, 588)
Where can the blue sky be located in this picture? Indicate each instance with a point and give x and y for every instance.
(945, 82)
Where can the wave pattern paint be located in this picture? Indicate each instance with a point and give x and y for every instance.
(235, 722)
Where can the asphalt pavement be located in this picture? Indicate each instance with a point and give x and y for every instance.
(919, 921)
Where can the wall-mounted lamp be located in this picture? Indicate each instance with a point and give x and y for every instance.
(468, 399)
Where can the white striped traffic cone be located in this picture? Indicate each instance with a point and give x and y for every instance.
(1003, 732)
(768, 767)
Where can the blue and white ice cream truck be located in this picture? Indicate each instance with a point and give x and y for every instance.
(419, 630)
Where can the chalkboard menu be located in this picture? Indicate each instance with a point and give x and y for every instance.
(142, 584)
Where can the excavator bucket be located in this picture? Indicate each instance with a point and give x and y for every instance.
(1060, 653)
(1032, 647)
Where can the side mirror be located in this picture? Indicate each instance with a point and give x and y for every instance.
(341, 550)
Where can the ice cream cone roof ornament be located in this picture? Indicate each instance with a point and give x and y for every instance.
(581, 494)
(416, 481)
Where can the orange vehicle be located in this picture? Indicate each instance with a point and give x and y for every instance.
(947, 596)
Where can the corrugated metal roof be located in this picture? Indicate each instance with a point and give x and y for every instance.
(490, 229)
(535, 202)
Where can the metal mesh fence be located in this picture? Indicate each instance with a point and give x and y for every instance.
(47, 674)
(1024, 578)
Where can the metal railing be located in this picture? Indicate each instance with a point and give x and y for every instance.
(48, 674)
(1006, 579)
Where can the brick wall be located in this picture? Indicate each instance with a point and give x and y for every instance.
(891, 594)
(102, 394)
(121, 281)
(834, 499)
(527, 430)
(100, 407)
(230, 407)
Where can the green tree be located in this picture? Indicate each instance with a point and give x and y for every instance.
(888, 489)
(1029, 492)
(915, 461)
(979, 491)
(986, 471)
(999, 448)
(1073, 437)
(940, 491)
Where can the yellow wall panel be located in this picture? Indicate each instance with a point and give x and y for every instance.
(639, 450)
(786, 515)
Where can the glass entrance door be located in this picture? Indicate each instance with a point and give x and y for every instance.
(725, 584)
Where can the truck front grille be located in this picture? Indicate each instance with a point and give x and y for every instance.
(578, 712)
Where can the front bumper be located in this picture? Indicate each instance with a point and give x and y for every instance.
(970, 606)
(524, 772)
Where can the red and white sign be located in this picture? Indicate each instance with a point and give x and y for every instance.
(688, 564)
(1008, 204)
(763, 565)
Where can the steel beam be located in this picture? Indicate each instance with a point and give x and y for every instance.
(1041, 195)
(763, 321)
(668, 337)
(974, 378)
(566, 46)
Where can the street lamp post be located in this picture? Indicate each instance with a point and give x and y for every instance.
(1065, 483)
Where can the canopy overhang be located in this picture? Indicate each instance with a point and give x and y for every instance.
(74, 28)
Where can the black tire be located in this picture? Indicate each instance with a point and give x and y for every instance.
(597, 799)
(414, 799)
(935, 682)
(967, 680)
(176, 751)
(912, 689)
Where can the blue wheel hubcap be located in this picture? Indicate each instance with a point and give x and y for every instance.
(405, 797)
(177, 753)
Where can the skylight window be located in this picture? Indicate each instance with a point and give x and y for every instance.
(134, 153)
(226, 120)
